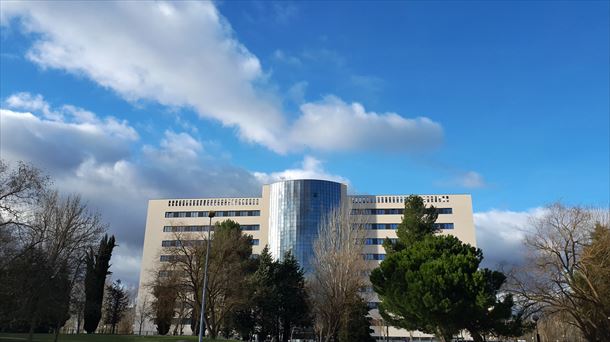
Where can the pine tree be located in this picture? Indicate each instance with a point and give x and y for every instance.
(97, 264)
(291, 295)
(433, 283)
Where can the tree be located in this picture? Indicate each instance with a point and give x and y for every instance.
(21, 190)
(43, 237)
(291, 295)
(567, 269)
(264, 298)
(116, 302)
(165, 291)
(230, 264)
(433, 283)
(338, 268)
(97, 264)
(279, 298)
(143, 312)
(54, 239)
(356, 324)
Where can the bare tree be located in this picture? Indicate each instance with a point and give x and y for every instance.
(338, 269)
(143, 312)
(21, 191)
(557, 277)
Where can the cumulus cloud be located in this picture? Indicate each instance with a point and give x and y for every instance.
(332, 124)
(185, 54)
(178, 54)
(94, 157)
(500, 235)
(27, 101)
(311, 168)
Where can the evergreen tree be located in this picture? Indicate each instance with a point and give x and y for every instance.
(165, 293)
(433, 283)
(280, 298)
(264, 298)
(356, 324)
(97, 264)
(291, 295)
(115, 304)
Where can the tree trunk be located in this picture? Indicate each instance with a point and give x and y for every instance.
(286, 332)
(476, 337)
(78, 322)
(56, 333)
(31, 331)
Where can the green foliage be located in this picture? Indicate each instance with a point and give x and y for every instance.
(433, 283)
(417, 223)
(97, 264)
(230, 265)
(165, 292)
(279, 300)
(115, 303)
(26, 301)
(356, 324)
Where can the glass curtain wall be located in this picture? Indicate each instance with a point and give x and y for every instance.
(296, 209)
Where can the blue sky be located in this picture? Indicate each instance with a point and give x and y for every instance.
(507, 101)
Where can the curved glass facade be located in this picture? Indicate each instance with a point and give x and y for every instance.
(296, 209)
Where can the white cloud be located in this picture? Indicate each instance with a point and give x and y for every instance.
(334, 125)
(29, 102)
(185, 54)
(500, 235)
(174, 148)
(283, 57)
(178, 54)
(471, 180)
(311, 168)
(94, 157)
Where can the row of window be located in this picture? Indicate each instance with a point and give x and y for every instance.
(220, 213)
(173, 258)
(379, 226)
(188, 243)
(377, 241)
(187, 229)
(373, 256)
(394, 211)
(394, 226)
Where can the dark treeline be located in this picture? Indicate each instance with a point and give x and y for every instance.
(47, 243)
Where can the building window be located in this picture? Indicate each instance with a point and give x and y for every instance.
(444, 210)
(373, 256)
(373, 305)
(443, 225)
(377, 241)
(255, 242)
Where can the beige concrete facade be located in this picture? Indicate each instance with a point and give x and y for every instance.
(250, 212)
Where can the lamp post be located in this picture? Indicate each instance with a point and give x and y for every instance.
(205, 277)
(535, 318)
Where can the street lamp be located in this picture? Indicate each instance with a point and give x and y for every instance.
(535, 318)
(205, 277)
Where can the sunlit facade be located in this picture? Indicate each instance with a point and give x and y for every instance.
(286, 218)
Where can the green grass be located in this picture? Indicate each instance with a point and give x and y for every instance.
(100, 338)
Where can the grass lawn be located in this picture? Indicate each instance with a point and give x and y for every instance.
(100, 338)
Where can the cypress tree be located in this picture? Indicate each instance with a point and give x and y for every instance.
(98, 264)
